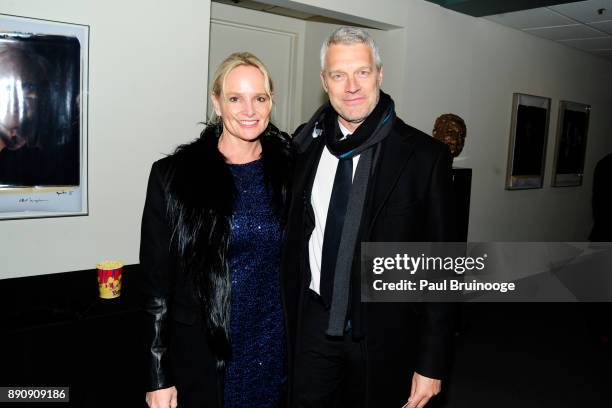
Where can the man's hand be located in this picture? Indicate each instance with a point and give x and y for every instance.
(423, 388)
(164, 398)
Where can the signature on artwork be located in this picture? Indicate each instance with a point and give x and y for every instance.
(31, 200)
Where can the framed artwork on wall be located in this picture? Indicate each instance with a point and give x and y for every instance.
(43, 118)
(570, 146)
(528, 135)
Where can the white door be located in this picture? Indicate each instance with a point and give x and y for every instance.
(276, 40)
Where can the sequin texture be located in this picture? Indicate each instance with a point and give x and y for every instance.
(255, 371)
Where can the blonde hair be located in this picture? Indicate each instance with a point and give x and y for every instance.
(233, 61)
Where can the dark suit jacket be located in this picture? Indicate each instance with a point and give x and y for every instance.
(409, 199)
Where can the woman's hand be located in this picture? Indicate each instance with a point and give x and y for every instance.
(164, 398)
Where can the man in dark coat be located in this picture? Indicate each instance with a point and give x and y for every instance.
(362, 175)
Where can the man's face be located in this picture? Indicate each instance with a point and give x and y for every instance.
(18, 99)
(352, 82)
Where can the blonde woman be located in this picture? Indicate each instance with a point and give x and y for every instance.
(210, 247)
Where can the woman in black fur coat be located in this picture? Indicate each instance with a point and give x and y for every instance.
(210, 247)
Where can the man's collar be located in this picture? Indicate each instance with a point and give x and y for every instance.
(343, 129)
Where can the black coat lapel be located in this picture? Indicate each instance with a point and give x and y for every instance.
(308, 170)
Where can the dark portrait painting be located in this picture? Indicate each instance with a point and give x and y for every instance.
(528, 142)
(39, 110)
(571, 143)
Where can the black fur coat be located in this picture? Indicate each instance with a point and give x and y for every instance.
(186, 230)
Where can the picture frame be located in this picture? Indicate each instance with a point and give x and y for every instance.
(528, 138)
(570, 144)
(44, 81)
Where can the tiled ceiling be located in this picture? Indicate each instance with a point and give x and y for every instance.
(586, 25)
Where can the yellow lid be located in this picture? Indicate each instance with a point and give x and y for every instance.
(109, 265)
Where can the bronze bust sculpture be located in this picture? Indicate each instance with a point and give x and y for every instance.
(451, 130)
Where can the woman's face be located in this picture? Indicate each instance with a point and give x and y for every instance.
(244, 105)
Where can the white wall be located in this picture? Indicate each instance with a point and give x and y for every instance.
(147, 75)
(313, 95)
(471, 67)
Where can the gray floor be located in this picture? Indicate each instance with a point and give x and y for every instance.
(531, 355)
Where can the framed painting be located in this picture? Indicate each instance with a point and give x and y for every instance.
(570, 146)
(43, 118)
(528, 135)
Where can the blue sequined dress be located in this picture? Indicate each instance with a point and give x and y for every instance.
(255, 371)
